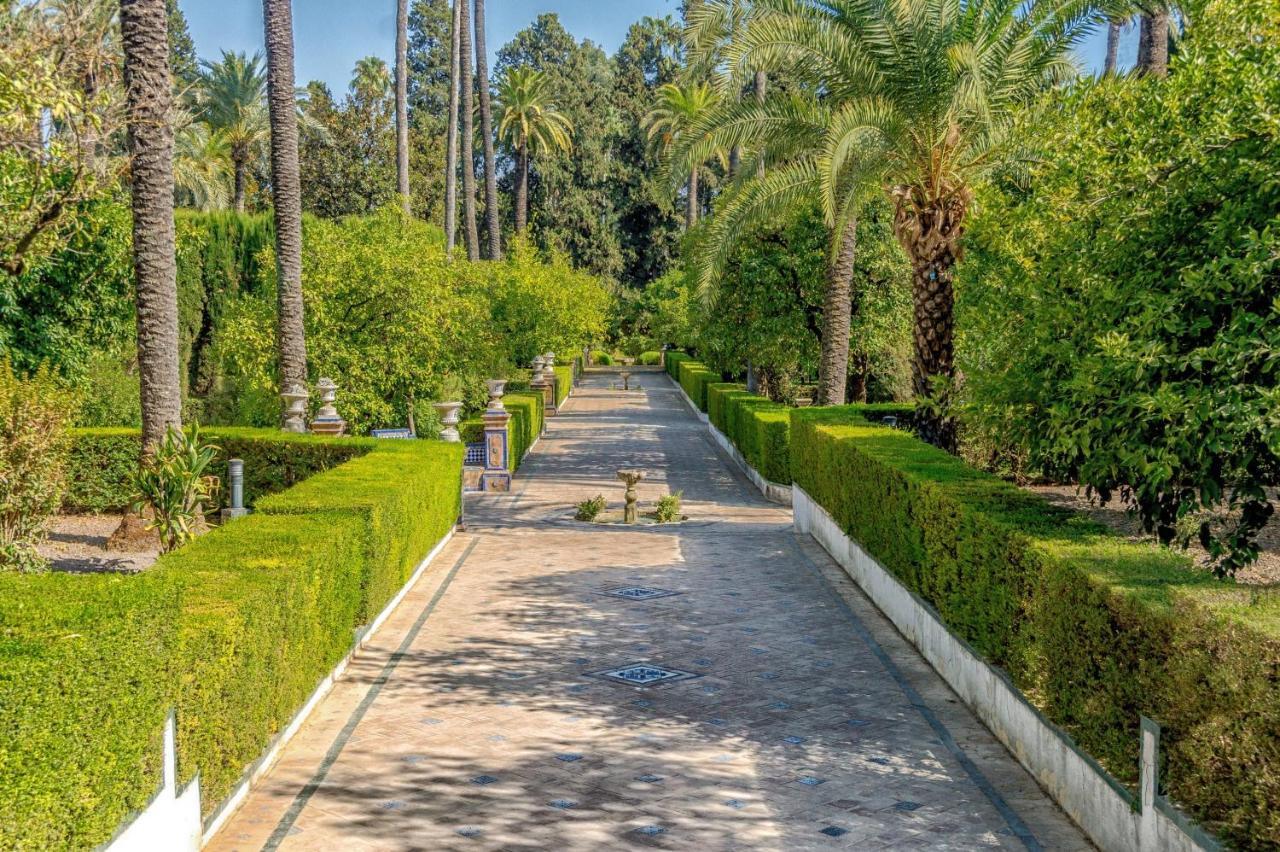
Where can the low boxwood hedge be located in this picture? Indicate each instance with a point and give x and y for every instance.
(101, 462)
(694, 378)
(235, 630)
(564, 384)
(1094, 629)
(528, 413)
(674, 360)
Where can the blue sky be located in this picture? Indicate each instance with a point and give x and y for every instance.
(330, 35)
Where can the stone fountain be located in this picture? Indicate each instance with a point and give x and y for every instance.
(626, 380)
(630, 514)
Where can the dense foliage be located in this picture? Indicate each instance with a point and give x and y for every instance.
(35, 418)
(1120, 301)
(766, 309)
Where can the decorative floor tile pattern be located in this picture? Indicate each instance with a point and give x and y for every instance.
(767, 723)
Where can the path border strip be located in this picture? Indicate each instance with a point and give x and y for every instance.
(344, 736)
(1015, 823)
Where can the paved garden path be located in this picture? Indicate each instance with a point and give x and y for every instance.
(484, 715)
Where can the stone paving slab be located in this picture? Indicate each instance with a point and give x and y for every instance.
(485, 716)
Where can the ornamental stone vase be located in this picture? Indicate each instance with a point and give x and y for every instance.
(497, 387)
(448, 412)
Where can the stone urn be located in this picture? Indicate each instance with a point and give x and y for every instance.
(497, 387)
(630, 512)
(549, 366)
(327, 421)
(448, 412)
(295, 408)
(537, 375)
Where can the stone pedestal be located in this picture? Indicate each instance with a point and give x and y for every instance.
(497, 444)
(630, 512)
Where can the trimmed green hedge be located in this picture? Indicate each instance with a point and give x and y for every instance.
(564, 384)
(235, 630)
(101, 462)
(695, 378)
(674, 360)
(1095, 630)
(528, 413)
(408, 496)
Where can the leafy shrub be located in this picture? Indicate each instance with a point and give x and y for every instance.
(173, 487)
(101, 462)
(528, 413)
(35, 416)
(602, 359)
(235, 630)
(1093, 629)
(1118, 302)
(564, 384)
(650, 359)
(588, 510)
(694, 378)
(667, 509)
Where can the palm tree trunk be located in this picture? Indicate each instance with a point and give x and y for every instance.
(492, 223)
(1144, 44)
(148, 98)
(691, 211)
(837, 305)
(1113, 47)
(239, 167)
(1158, 45)
(761, 87)
(282, 102)
(451, 146)
(402, 103)
(522, 186)
(471, 233)
(930, 235)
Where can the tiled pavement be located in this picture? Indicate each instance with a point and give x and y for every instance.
(485, 717)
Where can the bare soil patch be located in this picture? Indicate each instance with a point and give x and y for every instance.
(77, 544)
(1264, 572)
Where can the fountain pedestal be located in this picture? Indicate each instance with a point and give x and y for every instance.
(630, 512)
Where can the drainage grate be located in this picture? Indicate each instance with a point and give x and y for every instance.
(639, 593)
(645, 674)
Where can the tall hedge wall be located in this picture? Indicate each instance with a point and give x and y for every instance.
(564, 383)
(101, 461)
(234, 630)
(1094, 629)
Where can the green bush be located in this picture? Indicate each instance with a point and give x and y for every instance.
(235, 630)
(718, 395)
(84, 692)
(564, 384)
(1095, 630)
(407, 495)
(650, 359)
(694, 378)
(602, 359)
(1117, 297)
(101, 462)
(35, 418)
(528, 412)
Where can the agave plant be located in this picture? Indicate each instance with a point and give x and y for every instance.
(173, 486)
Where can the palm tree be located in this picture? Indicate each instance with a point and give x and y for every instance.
(678, 111)
(530, 123)
(286, 192)
(201, 165)
(1153, 39)
(370, 79)
(486, 132)
(402, 103)
(148, 104)
(921, 96)
(230, 97)
(451, 144)
(470, 231)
